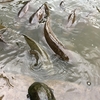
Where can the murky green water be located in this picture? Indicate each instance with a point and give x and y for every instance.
(82, 38)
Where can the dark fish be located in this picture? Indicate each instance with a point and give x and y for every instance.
(1, 97)
(40, 91)
(69, 17)
(98, 9)
(53, 42)
(2, 29)
(46, 10)
(5, 1)
(24, 9)
(37, 16)
(40, 14)
(74, 17)
(1, 40)
(61, 3)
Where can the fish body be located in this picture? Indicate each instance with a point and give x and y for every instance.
(23, 10)
(53, 42)
(40, 91)
(36, 49)
(40, 15)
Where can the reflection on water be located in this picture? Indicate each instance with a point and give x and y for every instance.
(82, 39)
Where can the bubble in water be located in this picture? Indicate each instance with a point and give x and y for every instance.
(88, 83)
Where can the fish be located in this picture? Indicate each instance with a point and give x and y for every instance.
(23, 10)
(74, 17)
(40, 91)
(35, 49)
(2, 29)
(47, 12)
(37, 17)
(1, 97)
(98, 9)
(1, 40)
(53, 41)
(5, 1)
(41, 13)
(69, 17)
(61, 3)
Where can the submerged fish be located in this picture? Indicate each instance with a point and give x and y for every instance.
(72, 17)
(2, 29)
(1, 40)
(5, 1)
(98, 9)
(53, 42)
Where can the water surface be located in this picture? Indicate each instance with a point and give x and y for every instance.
(82, 39)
